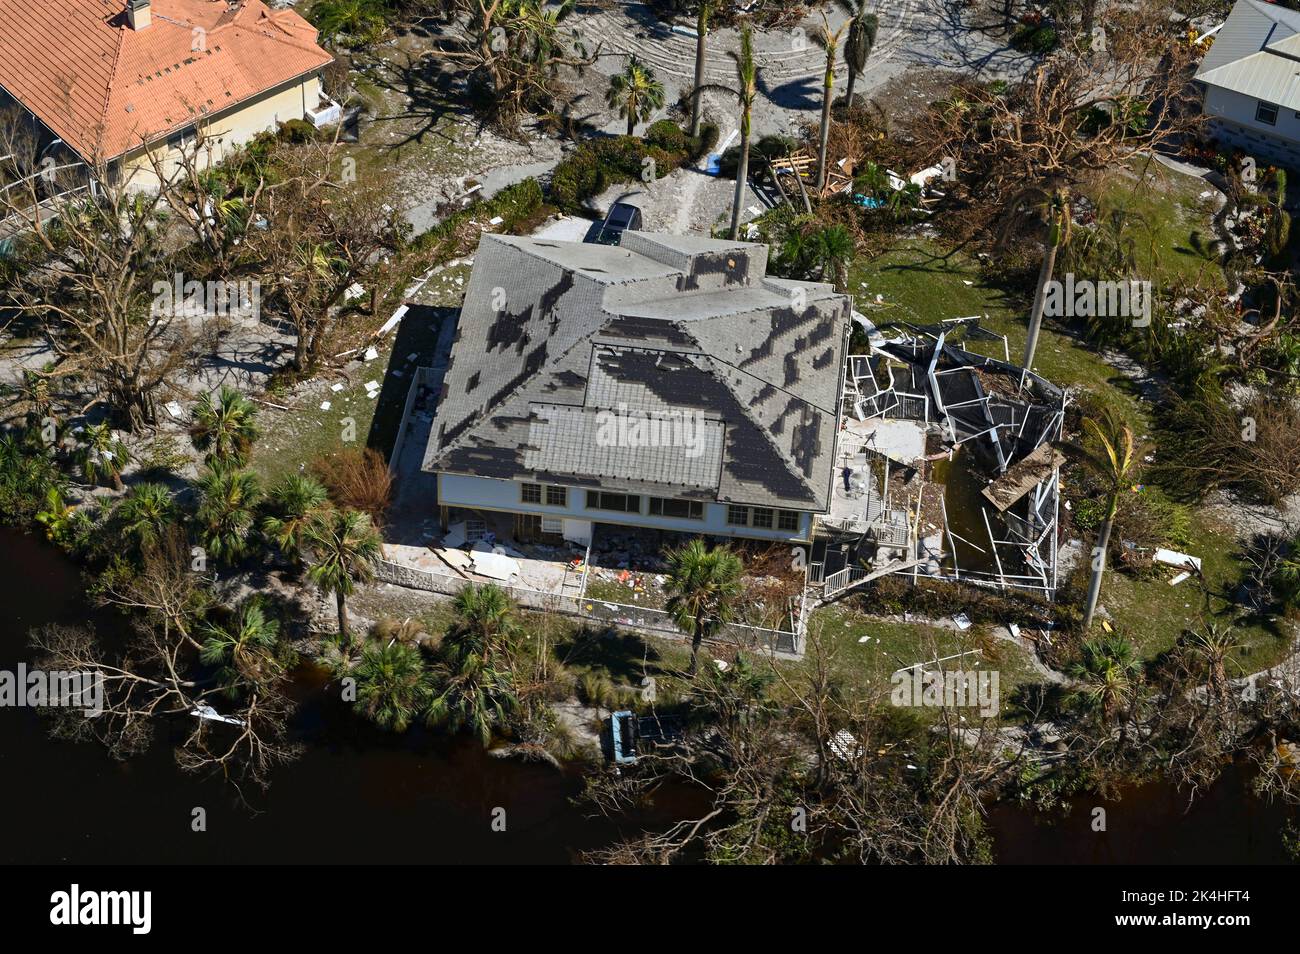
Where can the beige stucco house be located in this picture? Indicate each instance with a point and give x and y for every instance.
(128, 84)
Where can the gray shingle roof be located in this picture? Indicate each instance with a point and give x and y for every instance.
(685, 335)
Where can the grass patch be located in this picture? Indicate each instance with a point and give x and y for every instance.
(1152, 614)
(1169, 222)
(922, 284)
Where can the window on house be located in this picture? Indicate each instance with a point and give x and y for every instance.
(737, 516)
(181, 139)
(557, 496)
(763, 518)
(1266, 113)
(787, 520)
(682, 509)
(531, 493)
(621, 503)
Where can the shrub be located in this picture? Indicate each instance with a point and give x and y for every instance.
(599, 163)
(356, 480)
(518, 205)
(297, 131)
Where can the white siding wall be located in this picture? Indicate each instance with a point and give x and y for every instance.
(1233, 120)
(486, 493)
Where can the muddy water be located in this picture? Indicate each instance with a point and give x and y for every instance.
(358, 795)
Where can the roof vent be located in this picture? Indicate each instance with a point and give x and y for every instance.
(139, 14)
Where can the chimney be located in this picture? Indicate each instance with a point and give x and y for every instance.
(138, 14)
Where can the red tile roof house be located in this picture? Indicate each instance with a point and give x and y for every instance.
(118, 79)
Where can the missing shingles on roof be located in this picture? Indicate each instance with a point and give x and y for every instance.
(792, 364)
(784, 320)
(508, 329)
(824, 359)
(473, 381)
(733, 265)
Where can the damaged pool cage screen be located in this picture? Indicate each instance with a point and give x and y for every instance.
(1008, 416)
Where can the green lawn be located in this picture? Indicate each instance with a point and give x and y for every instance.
(1169, 222)
(293, 438)
(865, 652)
(922, 284)
(1152, 614)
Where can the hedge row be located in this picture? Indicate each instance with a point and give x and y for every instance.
(458, 234)
(599, 163)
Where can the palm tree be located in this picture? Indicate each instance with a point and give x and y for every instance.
(146, 511)
(703, 9)
(485, 618)
(798, 249)
(1108, 671)
(392, 685)
(861, 38)
(1113, 466)
(343, 547)
(1286, 577)
(224, 427)
(704, 586)
(227, 512)
(830, 40)
(834, 247)
(1053, 207)
(1210, 648)
(363, 19)
(635, 93)
(293, 502)
(243, 647)
(58, 518)
(475, 684)
(101, 454)
(871, 180)
(746, 92)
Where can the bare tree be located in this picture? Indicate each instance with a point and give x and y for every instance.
(90, 249)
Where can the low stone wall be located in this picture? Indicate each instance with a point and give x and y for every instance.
(635, 619)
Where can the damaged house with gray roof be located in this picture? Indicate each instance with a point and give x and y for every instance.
(671, 384)
(667, 383)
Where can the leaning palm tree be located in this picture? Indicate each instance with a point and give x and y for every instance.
(830, 40)
(635, 93)
(1113, 465)
(342, 548)
(861, 38)
(224, 427)
(243, 648)
(1107, 671)
(227, 512)
(101, 455)
(703, 10)
(145, 512)
(1051, 207)
(392, 684)
(293, 503)
(745, 93)
(704, 586)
